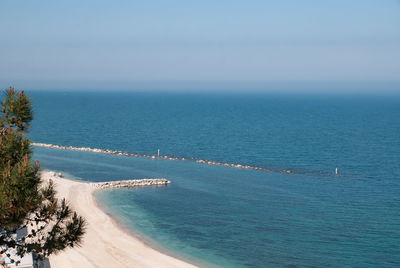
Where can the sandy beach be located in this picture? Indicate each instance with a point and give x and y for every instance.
(104, 244)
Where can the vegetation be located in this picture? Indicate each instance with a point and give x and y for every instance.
(26, 203)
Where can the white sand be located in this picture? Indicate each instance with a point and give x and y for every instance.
(104, 244)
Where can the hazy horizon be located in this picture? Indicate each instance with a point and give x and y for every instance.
(87, 44)
(338, 88)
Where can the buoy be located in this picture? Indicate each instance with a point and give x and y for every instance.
(336, 171)
(158, 154)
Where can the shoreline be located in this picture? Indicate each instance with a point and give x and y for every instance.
(147, 240)
(105, 244)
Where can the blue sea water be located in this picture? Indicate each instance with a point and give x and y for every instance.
(230, 217)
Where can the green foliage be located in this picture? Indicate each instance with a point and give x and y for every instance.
(26, 202)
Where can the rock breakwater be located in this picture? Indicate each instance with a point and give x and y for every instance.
(165, 157)
(130, 183)
(200, 161)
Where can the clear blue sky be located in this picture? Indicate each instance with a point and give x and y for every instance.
(227, 40)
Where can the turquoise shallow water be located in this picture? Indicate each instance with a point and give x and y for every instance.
(234, 217)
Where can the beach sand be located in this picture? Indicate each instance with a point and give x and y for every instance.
(104, 244)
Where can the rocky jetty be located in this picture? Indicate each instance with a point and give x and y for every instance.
(165, 157)
(130, 183)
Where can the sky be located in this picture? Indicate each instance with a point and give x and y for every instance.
(83, 43)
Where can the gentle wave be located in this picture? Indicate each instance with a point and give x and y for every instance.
(172, 158)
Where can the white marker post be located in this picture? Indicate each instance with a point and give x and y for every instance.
(158, 154)
(336, 171)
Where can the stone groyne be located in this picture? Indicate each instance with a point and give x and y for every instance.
(165, 157)
(129, 183)
(200, 161)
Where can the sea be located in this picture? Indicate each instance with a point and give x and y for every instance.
(288, 208)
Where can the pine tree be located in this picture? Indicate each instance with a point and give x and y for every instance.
(25, 201)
